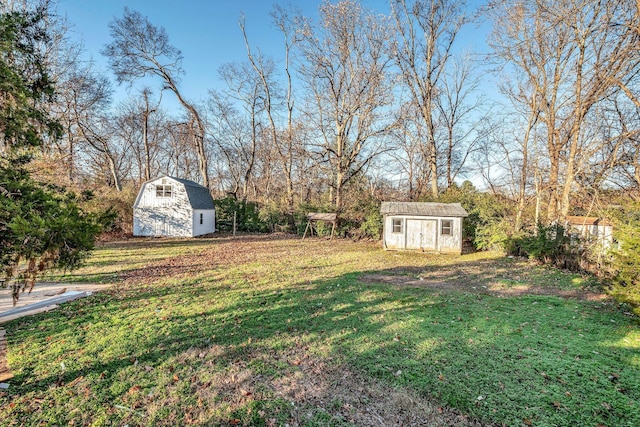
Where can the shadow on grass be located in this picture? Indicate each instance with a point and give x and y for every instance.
(538, 359)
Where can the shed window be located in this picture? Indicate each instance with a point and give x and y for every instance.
(445, 227)
(201, 218)
(397, 225)
(163, 190)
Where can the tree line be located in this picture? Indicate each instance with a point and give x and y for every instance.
(364, 105)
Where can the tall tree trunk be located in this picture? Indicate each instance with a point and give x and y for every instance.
(427, 112)
(147, 155)
(522, 190)
(575, 133)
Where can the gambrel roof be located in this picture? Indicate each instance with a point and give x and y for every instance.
(423, 209)
(199, 196)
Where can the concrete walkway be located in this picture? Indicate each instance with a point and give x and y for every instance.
(43, 297)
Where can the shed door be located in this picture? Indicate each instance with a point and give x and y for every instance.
(161, 227)
(421, 234)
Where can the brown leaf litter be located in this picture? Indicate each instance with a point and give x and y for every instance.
(450, 280)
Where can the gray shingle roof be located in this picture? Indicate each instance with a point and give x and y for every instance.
(423, 208)
(199, 196)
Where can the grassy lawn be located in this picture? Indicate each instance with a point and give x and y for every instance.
(272, 331)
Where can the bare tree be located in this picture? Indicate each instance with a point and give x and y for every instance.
(244, 100)
(174, 157)
(283, 141)
(140, 49)
(573, 54)
(410, 157)
(460, 113)
(62, 58)
(345, 70)
(146, 112)
(234, 134)
(139, 126)
(87, 100)
(427, 30)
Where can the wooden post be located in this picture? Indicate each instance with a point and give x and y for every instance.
(307, 228)
(234, 224)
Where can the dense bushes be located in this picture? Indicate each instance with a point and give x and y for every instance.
(488, 226)
(549, 244)
(624, 262)
(361, 219)
(247, 215)
(120, 206)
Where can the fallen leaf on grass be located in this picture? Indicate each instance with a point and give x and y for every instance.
(76, 381)
(134, 389)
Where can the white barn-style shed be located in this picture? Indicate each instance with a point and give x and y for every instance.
(427, 227)
(173, 207)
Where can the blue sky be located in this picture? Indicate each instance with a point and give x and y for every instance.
(206, 31)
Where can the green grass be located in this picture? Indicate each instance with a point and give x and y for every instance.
(210, 346)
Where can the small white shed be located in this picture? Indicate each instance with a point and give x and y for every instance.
(595, 229)
(427, 227)
(173, 207)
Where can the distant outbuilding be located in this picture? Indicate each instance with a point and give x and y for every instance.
(426, 227)
(598, 230)
(173, 207)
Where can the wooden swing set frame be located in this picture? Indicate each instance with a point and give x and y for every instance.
(315, 217)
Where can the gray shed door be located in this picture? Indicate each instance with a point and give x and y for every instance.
(421, 234)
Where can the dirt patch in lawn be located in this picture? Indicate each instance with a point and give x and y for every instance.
(345, 395)
(316, 389)
(5, 372)
(445, 281)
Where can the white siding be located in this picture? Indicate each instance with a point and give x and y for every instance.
(452, 242)
(162, 221)
(394, 240)
(208, 222)
(602, 234)
(422, 234)
(148, 198)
